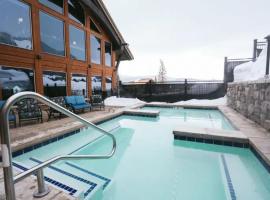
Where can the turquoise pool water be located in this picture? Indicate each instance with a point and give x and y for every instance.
(205, 118)
(150, 164)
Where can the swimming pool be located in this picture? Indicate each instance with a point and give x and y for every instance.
(150, 164)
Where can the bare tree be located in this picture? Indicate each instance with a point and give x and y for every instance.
(162, 72)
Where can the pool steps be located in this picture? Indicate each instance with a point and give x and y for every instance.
(143, 113)
(75, 178)
(211, 136)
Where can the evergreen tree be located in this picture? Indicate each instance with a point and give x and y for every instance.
(162, 72)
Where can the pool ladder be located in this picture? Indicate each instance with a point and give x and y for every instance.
(9, 180)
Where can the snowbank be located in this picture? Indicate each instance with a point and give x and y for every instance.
(121, 102)
(251, 70)
(204, 102)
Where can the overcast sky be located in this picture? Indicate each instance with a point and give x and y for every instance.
(192, 37)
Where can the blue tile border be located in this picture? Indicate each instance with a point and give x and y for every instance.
(107, 181)
(39, 145)
(212, 141)
(91, 184)
(228, 178)
(70, 190)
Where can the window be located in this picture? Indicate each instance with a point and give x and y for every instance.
(108, 54)
(75, 11)
(14, 80)
(52, 35)
(77, 43)
(108, 86)
(95, 50)
(54, 84)
(56, 5)
(97, 85)
(15, 24)
(93, 26)
(79, 85)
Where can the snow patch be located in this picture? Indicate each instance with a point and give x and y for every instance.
(121, 102)
(251, 71)
(204, 102)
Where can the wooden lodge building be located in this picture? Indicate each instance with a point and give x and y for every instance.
(59, 48)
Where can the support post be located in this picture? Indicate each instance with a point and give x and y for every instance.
(225, 78)
(186, 84)
(43, 189)
(255, 50)
(268, 55)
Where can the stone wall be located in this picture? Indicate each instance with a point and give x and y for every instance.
(251, 99)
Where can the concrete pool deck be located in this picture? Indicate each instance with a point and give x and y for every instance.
(248, 131)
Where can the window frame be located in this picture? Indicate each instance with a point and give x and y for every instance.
(55, 71)
(77, 22)
(61, 13)
(86, 75)
(64, 34)
(31, 29)
(101, 50)
(101, 88)
(85, 42)
(27, 68)
(106, 41)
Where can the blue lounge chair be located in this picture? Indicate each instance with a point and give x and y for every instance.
(77, 103)
(12, 116)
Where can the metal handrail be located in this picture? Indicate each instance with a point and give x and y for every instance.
(6, 147)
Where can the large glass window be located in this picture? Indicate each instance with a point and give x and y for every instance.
(97, 85)
(79, 85)
(54, 84)
(15, 24)
(108, 86)
(52, 35)
(77, 43)
(56, 5)
(76, 11)
(95, 50)
(14, 80)
(108, 54)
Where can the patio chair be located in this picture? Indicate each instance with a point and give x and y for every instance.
(52, 112)
(96, 101)
(29, 110)
(77, 103)
(12, 116)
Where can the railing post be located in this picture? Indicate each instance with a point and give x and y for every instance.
(225, 78)
(43, 189)
(186, 84)
(255, 50)
(268, 55)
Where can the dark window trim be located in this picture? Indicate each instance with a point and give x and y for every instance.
(64, 32)
(31, 29)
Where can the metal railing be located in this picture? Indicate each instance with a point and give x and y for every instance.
(9, 180)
